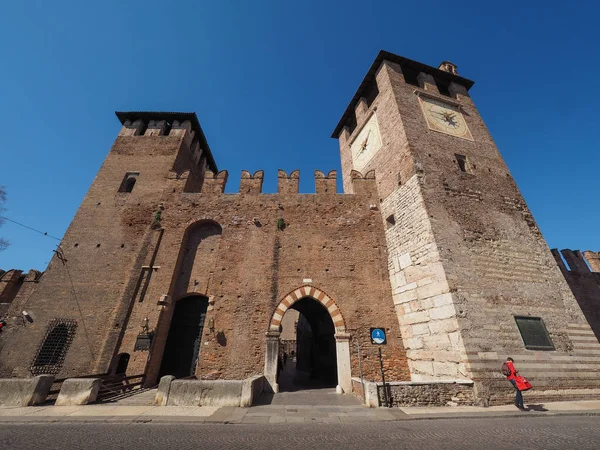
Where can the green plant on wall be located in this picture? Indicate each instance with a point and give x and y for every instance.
(157, 218)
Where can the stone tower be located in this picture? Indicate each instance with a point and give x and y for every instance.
(472, 277)
(104, 262)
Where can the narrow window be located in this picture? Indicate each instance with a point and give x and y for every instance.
(351, 123)
(390, 221)
(129, 181)
(411, 76)
(463, 163)
(443, 86)
(371, 93)
(53, 349)
(534, 333)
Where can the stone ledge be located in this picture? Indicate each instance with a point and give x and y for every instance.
(25, 391)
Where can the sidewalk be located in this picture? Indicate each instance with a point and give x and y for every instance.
(278, 413)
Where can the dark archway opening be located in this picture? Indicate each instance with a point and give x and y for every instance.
(313, 362)
(122, 364)
(185, 336)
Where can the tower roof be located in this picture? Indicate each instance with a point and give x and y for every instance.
(403, 62)
(170, 117)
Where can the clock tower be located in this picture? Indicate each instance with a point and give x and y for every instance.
(472, 278)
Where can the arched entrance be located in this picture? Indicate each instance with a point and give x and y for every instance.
(185, 335)
(325, 352)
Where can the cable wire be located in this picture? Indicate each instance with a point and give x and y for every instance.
(60, 254)
(87, 336)
(30, 228)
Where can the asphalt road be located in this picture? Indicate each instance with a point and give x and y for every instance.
(573, 432)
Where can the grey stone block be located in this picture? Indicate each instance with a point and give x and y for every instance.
(205, 393)
(251, 388)
(78, 391)
(25, 391)
(162, 394)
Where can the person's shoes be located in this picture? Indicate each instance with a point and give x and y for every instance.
(522, 408)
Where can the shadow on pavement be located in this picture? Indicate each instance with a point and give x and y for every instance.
(539, 407)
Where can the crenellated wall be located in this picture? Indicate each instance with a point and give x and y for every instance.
(445, 256)
(583, 277)
(332, 241)
(157, 226)
(15, 289)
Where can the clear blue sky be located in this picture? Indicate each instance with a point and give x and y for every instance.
(269, 81)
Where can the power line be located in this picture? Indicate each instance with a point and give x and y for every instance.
(30, 228)
(60, 254)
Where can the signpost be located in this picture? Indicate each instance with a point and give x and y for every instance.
(379, 338)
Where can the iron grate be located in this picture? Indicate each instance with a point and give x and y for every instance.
(53, 349)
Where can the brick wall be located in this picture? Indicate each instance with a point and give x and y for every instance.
(335, 241)
(103, 247)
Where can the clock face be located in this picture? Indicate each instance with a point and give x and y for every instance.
(445, 118)
(366, 144)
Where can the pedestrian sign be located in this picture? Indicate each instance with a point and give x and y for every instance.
(378, 336)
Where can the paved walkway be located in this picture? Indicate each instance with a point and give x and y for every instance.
(297, 389)
(295, 404)
(279, 413)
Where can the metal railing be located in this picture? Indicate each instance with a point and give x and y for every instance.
(58, 382)
(117, 387)
(113, 387)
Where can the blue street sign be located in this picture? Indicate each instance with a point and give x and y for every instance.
(378, 336)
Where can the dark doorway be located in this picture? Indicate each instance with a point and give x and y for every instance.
(314, 363)
(185, 335)
(122, 364)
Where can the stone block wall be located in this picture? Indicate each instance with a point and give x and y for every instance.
(422, 298)
(428, 394)
(481, 250)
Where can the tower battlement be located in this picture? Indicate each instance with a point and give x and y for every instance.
(325, 184)
(154, 123)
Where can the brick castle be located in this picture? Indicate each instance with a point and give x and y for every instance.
(161, 272)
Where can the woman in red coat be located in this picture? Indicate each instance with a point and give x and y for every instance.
(512, 377)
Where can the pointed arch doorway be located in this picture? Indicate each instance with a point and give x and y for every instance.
(185, 335)
(329, 354)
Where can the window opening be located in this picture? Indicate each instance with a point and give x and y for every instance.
(351, 124)
(534, 333)
(463, 163)
(411, 76)
(52, 351)
(443, 86)
(372, 94)
(129, 181)
(390, 221)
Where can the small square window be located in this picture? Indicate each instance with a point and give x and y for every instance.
(463, 163)
(129, 181)
(534, 333)
(390, 221)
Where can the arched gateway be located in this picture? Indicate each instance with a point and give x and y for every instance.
(342, 338)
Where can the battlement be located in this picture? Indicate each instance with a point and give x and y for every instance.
(215, 183)
(442, 80)
(577, 261)
(12, 283)
(162, 124)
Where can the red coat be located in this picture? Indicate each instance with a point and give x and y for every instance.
(513, 371)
